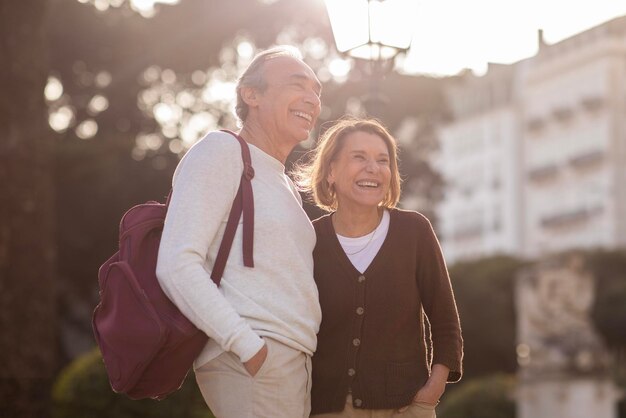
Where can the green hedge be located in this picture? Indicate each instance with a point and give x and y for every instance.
(486, 397)
(83, 390)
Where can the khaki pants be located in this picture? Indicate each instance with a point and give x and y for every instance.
(280, 389)
(416, 410)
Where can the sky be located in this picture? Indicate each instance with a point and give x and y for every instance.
(451, 35)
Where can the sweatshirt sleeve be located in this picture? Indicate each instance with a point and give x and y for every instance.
(438, 302)
(204, 186)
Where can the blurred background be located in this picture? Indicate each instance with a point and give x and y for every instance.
(511, 122)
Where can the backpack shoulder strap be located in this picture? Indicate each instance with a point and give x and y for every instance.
(242, 204)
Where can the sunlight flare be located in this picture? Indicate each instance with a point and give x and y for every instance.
(87, 129)
(53, 90)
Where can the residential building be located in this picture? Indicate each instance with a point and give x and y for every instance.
(535, 156)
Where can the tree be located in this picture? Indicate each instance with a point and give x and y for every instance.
(609, 311)
(484, 294)
(27, 232)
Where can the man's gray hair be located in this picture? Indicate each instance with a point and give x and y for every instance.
(253, 75)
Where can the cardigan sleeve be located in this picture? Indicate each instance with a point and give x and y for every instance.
(438, 301)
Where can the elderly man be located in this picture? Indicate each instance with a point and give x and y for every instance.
(262, 321)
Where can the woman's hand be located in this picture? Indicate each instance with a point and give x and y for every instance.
(433, 389)
(254, 364)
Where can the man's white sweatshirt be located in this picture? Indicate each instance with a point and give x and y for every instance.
(278, 297)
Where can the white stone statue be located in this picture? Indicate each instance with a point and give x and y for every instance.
(555, 333)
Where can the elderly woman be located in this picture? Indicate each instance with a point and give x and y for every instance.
(378, 270)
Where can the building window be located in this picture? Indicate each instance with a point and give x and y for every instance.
(468, 232)
(569, 218)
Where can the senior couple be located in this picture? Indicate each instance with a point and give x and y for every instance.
(330, 322)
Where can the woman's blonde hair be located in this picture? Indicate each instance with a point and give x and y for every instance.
(312, 176)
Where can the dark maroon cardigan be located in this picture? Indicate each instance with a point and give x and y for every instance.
(372, 337)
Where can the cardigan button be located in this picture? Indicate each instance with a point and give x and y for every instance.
(360, 310)
(356, 342)
(351, 372)
(358, 402)
(361, 279)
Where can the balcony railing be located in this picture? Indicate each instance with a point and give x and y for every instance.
(544, 172)
(535, 124)
(592, 103)
(587, 158)
(467, 232)
(568, 218)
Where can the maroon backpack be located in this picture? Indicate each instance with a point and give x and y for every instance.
(147, 344)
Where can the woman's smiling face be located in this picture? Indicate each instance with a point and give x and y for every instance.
(361, 173)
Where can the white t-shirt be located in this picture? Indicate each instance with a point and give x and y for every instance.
(362, 250)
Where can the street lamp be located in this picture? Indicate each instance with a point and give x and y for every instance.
(376, 31)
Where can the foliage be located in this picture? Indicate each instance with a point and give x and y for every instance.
(620, 382)
(486, 397)
(484, 294)
(82, 390)
(609, 312)
(97, 181)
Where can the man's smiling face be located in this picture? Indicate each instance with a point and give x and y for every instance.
(290, 103)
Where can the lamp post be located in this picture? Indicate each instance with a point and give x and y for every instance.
(376, 31)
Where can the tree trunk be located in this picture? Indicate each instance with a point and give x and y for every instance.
(28, 331)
